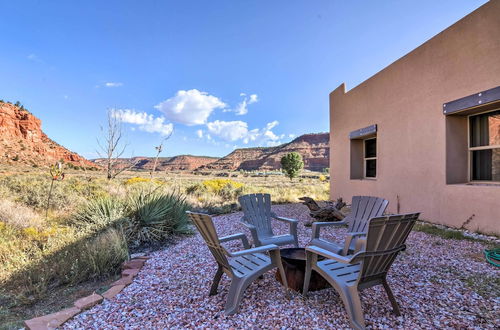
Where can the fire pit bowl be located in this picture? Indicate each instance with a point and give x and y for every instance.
(294, 263)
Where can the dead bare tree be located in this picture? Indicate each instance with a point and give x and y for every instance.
(159, 149)
(112, 146)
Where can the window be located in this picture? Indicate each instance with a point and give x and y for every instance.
(484, 146)
(364, 153)
(370, 158)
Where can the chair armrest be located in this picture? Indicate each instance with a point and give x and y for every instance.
(249, 226)
(241, 236)
(316, 226)
(360, 244)
(285, 219)
(263, 248)
(329, 255)
(348, 240)
(293, 223)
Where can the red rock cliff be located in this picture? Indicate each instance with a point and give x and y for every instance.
(22, 141)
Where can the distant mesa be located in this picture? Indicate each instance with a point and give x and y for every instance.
(23, 142)
(176, 163)
(314, 149)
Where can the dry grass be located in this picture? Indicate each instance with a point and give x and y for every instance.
(18, 215)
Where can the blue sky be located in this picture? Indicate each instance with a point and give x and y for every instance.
(220, 74)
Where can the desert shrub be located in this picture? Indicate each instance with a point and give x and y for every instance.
(196, 189)
(100, 213)
(223, 187)
(85, 189)
(19, 215)
(32, 191)
(153, 217)
(62, 259)
(135, 180)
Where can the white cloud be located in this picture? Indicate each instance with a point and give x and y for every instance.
(199, 133)
(238, 131)
(291, 136)
(190, 107)
(228, 130)
(113, 84)
(34, 58)
(242, 107)
(145, 122)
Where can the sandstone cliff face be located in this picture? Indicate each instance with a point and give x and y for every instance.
(314, 148)
(177, 163)
(22, 141)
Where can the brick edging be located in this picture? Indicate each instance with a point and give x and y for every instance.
(130, 269)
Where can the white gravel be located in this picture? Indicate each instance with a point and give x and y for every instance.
(428, 279)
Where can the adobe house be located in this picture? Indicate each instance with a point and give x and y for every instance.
(425, 131)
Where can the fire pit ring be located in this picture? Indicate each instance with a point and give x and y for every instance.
(294, 263)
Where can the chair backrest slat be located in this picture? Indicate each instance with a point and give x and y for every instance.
(386, 236)
(257, 212)
(205, 226)
(364, 208)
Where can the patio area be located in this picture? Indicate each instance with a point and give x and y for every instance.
(439, 283)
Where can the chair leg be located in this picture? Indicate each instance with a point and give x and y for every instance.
(236, 290)
(391, 297)
(307, 273)
(215, 283)
(352, 304)
(283, 277)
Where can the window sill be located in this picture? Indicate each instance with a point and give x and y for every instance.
(476, 184)
(364, 179)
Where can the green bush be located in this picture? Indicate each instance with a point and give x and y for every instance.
(153, 217)
(145, 217)
(100, 213)
(292, 164)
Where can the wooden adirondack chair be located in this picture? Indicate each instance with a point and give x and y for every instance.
(243, 267)
(368, 267)
(363, 208)
(257, 216)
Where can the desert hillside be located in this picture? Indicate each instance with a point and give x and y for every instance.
(176, 163)
(22, 140)
(314, 148)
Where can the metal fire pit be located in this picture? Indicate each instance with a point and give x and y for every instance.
(294, 263)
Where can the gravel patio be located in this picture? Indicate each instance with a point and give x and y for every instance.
(437, 282)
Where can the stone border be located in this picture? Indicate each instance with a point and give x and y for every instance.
(130, 269)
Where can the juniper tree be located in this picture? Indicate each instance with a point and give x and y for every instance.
(292, 164)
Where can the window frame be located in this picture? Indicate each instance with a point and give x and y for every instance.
(365, 159)
(471, 149)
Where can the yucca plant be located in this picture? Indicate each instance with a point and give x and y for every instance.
(100, 213)
(152, 217)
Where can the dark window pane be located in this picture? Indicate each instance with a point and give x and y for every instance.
(371, 168)
(486, 164)
(485, 129)
(370, 148)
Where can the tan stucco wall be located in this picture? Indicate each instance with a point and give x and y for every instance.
(405, 100)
